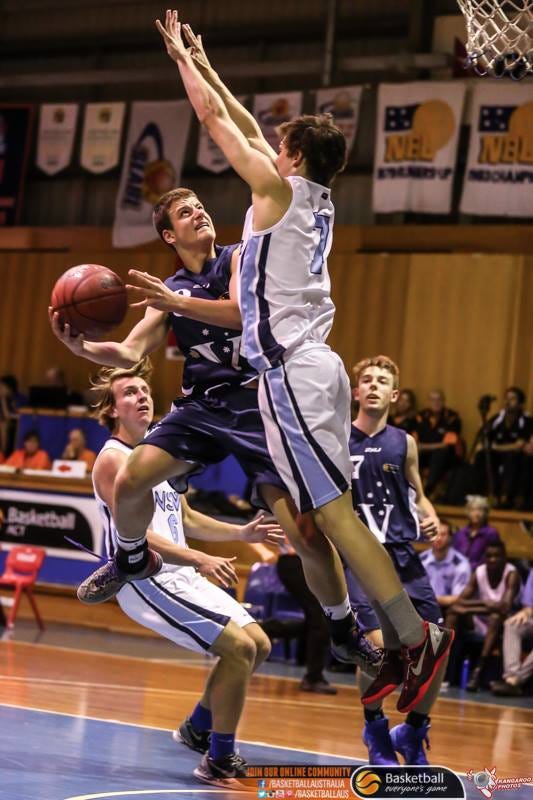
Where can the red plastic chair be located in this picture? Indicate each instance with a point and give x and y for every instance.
(22, 566)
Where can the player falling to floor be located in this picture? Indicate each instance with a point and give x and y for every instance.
(218, 415)
(179, 602)
(388, 496)
(287, 313)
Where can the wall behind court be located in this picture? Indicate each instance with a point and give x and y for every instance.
(461, 322)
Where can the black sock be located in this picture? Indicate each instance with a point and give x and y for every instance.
(417, 720)
(371, 715)
(340, 628)
(128, 560)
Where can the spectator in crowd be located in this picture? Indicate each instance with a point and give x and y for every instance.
(30, 455)
(448, 570)
(8, 415)
(404, 412)
(12, 382)
(517, 628)
(55, 376)
(507, 432)
(485, 603)
(439, 442)
(474, 538)
(76, 449)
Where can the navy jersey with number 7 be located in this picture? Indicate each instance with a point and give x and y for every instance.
(382, 496)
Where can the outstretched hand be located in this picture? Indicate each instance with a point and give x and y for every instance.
(257, 531)
(196, 51)
(171, 33)
(70, 339)
(154, 292)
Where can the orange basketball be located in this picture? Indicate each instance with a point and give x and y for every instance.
(91, 298)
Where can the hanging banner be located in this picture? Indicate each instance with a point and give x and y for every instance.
(57, 127)
(417, 134)
(15, 129)
(209, 155)
(343, 104)
(271, 110)
(499, 172)
(100, 142)
(152, 165)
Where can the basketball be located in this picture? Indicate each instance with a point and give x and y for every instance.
(91, 298)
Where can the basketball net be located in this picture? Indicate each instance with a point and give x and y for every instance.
(499, 37)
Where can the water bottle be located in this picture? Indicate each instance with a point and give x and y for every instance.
(465, 673)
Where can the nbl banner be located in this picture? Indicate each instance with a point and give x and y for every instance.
(153, 161)
(272, 110)
(15, 127)
(55, 140)
(417, 135)
(343, 104)
(499, 171)
(100, 143)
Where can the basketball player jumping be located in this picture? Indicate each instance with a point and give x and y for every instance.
(388, 496)
(287, 313)
(179, 603)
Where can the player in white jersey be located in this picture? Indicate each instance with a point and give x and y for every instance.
(287, 313)
(179, 603)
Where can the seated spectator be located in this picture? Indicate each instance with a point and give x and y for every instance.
(30, 455)
(76, 449)
(404, 413)
(524, 494)
(439, 442)
(485, 603)
(517, 628)
(55, 376)
(447, 569)
(474, 538)
(507, 433)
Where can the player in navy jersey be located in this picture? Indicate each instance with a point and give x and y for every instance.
(218, 416)
(388, 496)
(287, 313)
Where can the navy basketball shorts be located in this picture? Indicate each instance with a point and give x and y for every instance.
(205, 430)
(414, 580)
(305, 405)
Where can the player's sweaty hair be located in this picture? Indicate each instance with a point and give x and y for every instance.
(160, 216)
(321, 143)
(383, 362)
(102, 386)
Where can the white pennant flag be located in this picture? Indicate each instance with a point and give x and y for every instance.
(57, 127)
(499, 172)
(209, 155)
(102, 128)
(343, 104)
(153, 161)
(271, 110)
(417, 133)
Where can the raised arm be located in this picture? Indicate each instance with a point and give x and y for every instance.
(142, 340)
(252, 165)
(240, 115)
(200, 526)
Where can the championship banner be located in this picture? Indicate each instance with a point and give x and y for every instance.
(100, 143)
(271, 110)
(417, 134)
(15, 129)
(209, 155)
(55, 140)
(152, 165)
(343, 104)
(499, 171)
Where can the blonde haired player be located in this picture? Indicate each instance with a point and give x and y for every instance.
(179, 603)
(287, 313)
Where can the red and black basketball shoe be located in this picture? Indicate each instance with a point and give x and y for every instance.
(422, 663)
(390, 676)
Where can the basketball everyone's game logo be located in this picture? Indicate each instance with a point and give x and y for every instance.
(365, 783)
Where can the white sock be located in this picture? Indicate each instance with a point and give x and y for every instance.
(339, 611)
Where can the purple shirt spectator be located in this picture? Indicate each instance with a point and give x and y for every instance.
(474, 547)
(527, 593)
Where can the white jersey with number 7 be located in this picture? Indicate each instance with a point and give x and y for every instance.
(284, 285)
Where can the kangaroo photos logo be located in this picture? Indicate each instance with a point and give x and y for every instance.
(487, 782)
(406, 782)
